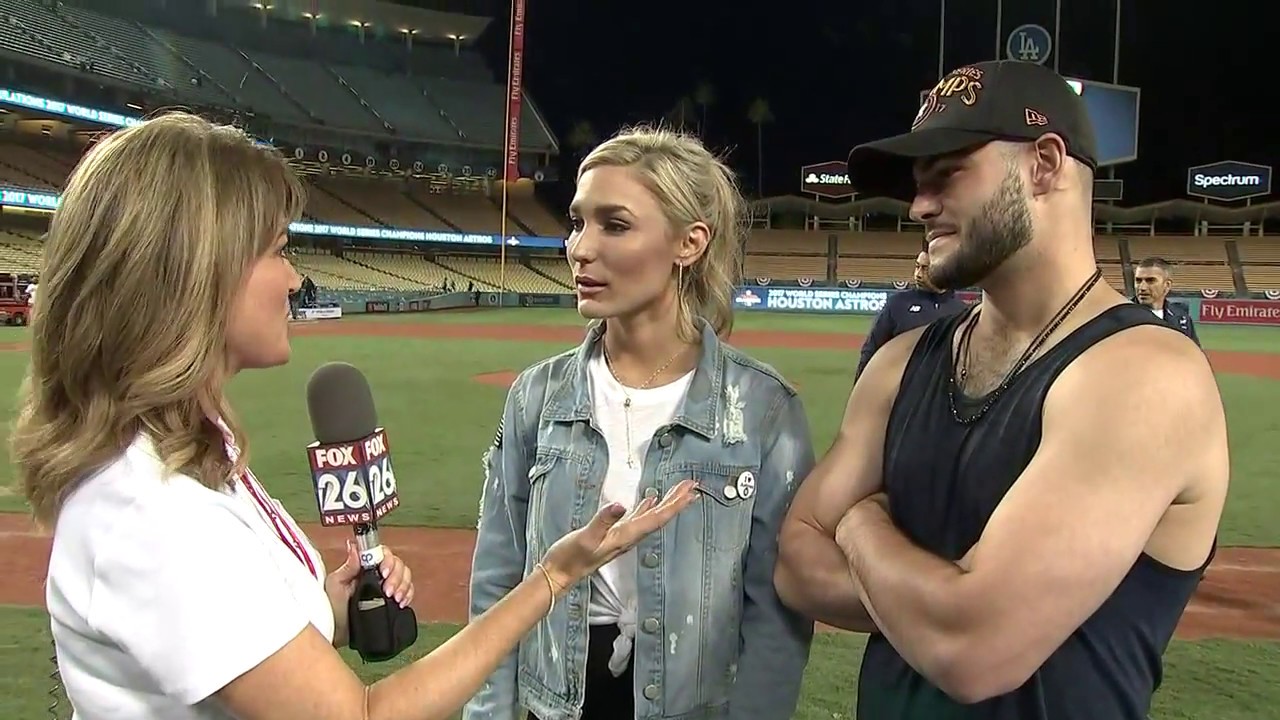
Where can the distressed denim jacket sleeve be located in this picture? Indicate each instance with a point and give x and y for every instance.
(498, 564)
(774, 639)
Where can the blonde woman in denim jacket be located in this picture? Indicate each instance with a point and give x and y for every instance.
(687, 624)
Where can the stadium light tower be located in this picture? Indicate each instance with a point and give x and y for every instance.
(408, 38)
(263, 9)
(361, 26)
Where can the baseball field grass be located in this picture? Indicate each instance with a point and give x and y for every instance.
(439, 381)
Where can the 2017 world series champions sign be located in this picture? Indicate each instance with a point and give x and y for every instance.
(813, 299)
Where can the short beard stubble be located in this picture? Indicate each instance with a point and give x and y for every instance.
(1001, 228)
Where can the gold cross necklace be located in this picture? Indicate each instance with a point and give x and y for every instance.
(626, 402)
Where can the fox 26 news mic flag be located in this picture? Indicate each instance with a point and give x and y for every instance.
(355, 485)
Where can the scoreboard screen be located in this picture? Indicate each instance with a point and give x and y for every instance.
(1114, 112)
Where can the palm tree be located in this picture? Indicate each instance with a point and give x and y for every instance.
(582, 138)
(705, 96)
(759, 113)
(678, 116)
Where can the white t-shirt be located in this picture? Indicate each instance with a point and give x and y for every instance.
(613, 596)
(160, 592)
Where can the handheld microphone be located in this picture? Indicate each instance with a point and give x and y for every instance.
(355, 485)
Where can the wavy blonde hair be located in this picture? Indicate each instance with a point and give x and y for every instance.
(156, 232)
(692, 185)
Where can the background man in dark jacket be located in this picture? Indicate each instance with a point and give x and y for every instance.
(907, 310)
(1153, 282)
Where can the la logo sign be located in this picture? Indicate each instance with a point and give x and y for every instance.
(1229, 180)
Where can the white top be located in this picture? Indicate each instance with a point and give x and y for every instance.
(31, 292)
(1159, 312)
(160, 592)
(613, 596)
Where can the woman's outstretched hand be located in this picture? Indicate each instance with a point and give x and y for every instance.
(610, 533)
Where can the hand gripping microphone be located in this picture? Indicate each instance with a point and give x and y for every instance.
(355, 485)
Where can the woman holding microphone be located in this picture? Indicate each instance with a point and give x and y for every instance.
(178, 589)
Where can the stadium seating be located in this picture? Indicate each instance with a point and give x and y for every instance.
(1258, 250)
(437, 93)
(877, 256)
(458, 101)
(312, 85)
(414, 268)
(53, 38)
(1260, 262)
(405, 108)
(785, 267)
(1203, 277)
(360, 201)
(1179, 248)
(25, 166)
(488, 274)
(1262, 277)
(471, 211)
(556, 269)
(19, 252)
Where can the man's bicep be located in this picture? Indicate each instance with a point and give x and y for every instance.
(1077, 519)
(851, 468)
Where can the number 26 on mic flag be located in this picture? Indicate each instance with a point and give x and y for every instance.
(354, 483)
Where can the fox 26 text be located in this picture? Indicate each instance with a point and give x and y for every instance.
(354, 483)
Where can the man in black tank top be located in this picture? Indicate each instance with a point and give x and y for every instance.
(1017, 546)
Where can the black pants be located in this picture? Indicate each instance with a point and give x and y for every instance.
(607, 697)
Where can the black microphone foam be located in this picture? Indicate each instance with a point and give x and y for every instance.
(340, 404)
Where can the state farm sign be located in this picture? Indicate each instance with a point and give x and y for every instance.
(828, 179)
(1229, 180)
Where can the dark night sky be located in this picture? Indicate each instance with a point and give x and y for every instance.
(837, 72)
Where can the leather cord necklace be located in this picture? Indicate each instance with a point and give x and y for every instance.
(961, 373)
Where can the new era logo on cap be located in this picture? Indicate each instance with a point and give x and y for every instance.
(1035, 118)
(998, 100)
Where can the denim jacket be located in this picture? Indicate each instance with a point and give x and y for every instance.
(712, 638)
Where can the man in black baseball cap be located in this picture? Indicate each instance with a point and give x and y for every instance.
(970, 114)
(1000, 100)
(978, 513)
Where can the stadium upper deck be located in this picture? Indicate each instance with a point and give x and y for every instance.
(356, 91)
(283, 69)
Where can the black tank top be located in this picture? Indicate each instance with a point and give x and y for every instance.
(944, 480)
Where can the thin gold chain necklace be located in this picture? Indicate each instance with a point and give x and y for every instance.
(626, 395)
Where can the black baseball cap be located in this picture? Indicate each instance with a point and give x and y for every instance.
(978, 103)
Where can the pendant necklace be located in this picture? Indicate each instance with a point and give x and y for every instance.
(626, 402)
(962, 350)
